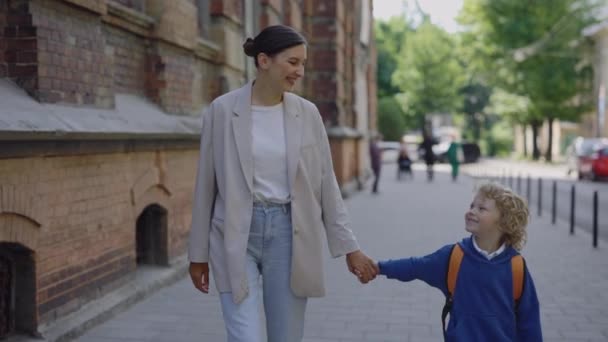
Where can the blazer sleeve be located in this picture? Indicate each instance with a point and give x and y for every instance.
(204, 194)
(340, 238)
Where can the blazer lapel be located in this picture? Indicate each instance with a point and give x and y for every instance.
(293, 135)
(241, 125)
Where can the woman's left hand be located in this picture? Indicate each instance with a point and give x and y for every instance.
(362, 266)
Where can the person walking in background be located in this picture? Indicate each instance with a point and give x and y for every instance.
(265, 197)
(454, 156)
(404, 163)
(375, 155)
(482, 305)
(426, 150)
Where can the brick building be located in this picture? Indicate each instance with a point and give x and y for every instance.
(99, 119)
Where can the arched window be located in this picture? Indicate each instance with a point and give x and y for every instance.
(17, 290)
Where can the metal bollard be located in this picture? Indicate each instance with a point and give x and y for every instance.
(595, 228)
(572, 195)
(554, 206)
(540, 196)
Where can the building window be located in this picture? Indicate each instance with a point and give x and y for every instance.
(204, 18)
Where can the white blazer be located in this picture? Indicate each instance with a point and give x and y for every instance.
(223, 197)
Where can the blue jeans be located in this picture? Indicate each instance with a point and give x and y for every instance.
(269, 256)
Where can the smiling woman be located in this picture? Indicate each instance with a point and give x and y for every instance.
(266, 182)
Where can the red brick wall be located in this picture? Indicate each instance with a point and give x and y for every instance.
(87, 207)
(20, 48)
(169, 77)
(129, 59)
(72, 62)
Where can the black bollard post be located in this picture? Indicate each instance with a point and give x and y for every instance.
(540, 196)
(554, 206)
(572, 195)
(595, 206)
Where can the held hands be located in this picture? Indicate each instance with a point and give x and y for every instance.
(362, 266)
(199, 273)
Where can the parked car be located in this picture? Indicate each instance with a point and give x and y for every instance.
(584, 154)
(595, 166)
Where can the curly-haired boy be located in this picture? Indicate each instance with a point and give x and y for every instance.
(481, 304)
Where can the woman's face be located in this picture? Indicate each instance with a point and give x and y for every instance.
(286, 67)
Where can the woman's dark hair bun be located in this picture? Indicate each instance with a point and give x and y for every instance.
(249, 47)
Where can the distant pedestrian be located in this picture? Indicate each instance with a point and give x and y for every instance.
(404, 163)
(482, 306)
(375, 155)
(454, 155)
(426, 150)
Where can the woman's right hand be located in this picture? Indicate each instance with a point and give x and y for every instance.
(199, 273)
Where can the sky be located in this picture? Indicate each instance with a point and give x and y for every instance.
(442, 12)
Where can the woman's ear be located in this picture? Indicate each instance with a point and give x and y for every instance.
(263, 60)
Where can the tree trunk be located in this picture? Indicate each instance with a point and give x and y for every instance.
(535, 151)
(523, 128)
(549, 152)
(476, 127)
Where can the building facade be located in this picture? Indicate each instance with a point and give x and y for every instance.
(99, 123)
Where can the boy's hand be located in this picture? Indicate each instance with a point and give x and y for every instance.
(362, 266)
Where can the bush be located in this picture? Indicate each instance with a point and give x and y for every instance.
(391, 122)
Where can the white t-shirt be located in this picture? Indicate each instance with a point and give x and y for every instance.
(270, 180)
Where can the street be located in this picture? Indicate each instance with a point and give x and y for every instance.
(407, 218)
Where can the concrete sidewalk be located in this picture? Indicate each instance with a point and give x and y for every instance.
(406, 218)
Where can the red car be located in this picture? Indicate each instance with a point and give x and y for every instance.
(594, 166)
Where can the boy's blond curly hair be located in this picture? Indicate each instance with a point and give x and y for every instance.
(514, 213)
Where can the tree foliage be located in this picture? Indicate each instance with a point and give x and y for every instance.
(533, 49)
(428, 72)
(391, 119)
(390, 38)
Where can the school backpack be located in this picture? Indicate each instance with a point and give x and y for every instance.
(517, 268)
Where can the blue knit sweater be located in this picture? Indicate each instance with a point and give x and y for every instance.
(483, 308)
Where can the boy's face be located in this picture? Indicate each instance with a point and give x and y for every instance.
(482, 217)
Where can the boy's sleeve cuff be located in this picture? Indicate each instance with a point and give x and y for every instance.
(381, 267)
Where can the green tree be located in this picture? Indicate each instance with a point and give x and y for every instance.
(475, 98)
(391, 119)
(390, 38)
(428, 72)
(533, 49)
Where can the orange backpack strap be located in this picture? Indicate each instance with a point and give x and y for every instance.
(454, 267)
(452, 275)
(517, 268)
